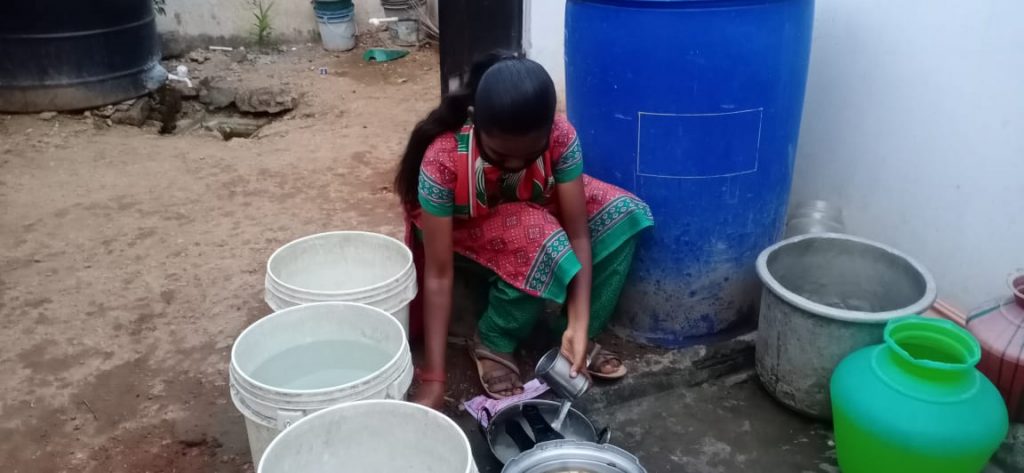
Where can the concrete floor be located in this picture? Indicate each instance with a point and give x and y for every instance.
(704, 411)
(727, 425)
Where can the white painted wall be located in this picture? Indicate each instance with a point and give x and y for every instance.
(914, 123)
(544, 37)
(292, 20)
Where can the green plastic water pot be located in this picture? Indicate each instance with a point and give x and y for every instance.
(916, 403)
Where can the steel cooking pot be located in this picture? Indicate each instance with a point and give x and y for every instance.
(575, 427)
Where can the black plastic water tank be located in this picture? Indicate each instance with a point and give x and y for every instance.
(76, 54)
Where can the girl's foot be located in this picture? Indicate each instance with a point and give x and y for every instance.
(605, 364)
(430, 390)
(498, 372)
(430, 394)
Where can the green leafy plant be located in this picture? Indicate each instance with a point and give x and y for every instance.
(261, 27)
(158, 6)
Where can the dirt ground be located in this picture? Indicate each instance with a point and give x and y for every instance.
(130, 260)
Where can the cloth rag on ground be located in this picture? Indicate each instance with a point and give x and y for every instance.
(480, 404)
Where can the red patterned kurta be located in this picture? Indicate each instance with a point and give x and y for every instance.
(508, 222)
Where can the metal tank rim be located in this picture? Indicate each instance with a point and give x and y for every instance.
(803, 303)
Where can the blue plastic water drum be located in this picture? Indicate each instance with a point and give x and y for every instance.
(693, 105)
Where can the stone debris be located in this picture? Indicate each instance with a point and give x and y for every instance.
(134, 114)
(216, 93)
(236, 127)
(198, 56)
(214, 101)
(266, 100)
(104, 112)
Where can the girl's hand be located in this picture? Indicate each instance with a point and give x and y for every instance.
(574, 347)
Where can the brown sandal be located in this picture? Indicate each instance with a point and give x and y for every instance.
(479, 352)
(599, 356)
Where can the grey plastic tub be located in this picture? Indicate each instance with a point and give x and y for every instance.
(825, 296)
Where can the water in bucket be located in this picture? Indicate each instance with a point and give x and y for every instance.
(321, 364)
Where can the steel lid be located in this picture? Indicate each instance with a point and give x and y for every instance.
(573, 456)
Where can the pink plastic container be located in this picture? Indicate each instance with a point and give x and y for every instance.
(1000, 330)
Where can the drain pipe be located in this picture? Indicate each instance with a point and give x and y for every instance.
(379, 21)
(947, 311)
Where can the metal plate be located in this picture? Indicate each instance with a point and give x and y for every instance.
(570, 456)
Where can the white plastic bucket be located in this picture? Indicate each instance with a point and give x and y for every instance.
(300, 360)
(371, 436)
(337, 34)
(363, 267)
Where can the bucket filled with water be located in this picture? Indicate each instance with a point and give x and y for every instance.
(362, 267)
(303, 359)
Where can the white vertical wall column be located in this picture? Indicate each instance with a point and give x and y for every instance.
(544, 37)
(914, 123)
